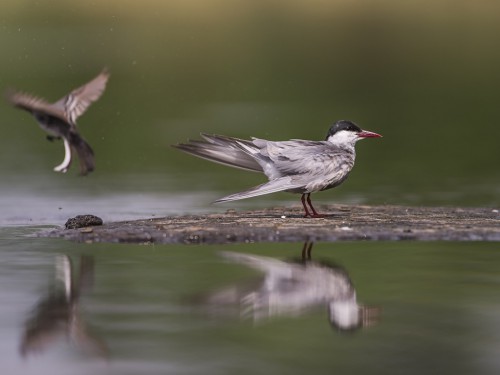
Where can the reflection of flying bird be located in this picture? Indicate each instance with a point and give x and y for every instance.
(296, 166)
(291, 288)
(59, 118)
(57, 314)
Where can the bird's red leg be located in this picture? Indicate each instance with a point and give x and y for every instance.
(303, 200)
(306, 250)
(315, 213)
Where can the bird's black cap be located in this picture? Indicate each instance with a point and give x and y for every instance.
(343, 125)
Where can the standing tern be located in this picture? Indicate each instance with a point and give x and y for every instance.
(296, 166)
(59, 118)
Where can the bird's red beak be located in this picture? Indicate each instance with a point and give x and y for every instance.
(367, 134)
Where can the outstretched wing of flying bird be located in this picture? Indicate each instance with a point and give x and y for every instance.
(77, 101)
(32, 103)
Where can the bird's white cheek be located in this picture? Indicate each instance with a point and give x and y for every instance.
(343, 138)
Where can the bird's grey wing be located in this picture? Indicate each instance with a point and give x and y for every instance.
(32, 103)
(315, 165)
(77, 101)
(273, 186)
(222, 150)
(84, 151)
(227, 141)
(307, 157)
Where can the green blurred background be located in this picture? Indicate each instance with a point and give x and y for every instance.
(425, 74)
(422, 73)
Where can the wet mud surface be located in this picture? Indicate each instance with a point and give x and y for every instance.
(344, 223)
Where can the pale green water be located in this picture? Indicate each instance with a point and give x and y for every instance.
(438, 307)
(423, 74)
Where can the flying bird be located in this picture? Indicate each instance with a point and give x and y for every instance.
(296, 166)
(59, 119)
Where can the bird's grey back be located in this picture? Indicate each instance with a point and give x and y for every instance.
(320, 164)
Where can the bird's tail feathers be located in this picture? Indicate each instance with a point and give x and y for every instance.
(84, 151)
(279, 184)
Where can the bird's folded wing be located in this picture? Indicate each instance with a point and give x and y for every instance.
(279, 184)
(301, 157)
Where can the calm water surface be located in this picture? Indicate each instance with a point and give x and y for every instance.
(432, 307)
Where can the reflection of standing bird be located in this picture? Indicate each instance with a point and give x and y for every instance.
(291, 289)
(59, 118)
(296, 166)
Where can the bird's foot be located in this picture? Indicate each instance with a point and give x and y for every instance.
(314, 215)
(52, 138)
(318, 215)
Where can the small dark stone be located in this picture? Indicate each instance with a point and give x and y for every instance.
(82, 221)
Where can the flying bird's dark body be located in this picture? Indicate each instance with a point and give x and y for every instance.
(59, 119)
(296, 166)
